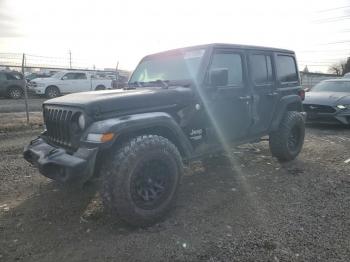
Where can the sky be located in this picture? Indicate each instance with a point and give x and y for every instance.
(103, 32)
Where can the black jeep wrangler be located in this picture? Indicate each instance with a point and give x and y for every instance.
(179, 105)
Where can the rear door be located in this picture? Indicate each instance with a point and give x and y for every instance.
(73, 82)
(80, 83)
(263, 81)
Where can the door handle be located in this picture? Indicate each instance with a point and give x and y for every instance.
(245, 98)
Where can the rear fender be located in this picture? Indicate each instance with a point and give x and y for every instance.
(287, 103)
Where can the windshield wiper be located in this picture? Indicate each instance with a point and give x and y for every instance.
(182, 83)
(134, 84)
(165, 83)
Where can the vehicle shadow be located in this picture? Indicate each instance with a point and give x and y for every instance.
(322, 126)
(53, 214)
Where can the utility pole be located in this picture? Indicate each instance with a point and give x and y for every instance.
(70, 59)
(117, 74)
(25, 89)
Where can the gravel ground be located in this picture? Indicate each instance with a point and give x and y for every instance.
(248, 208)
(12, 105)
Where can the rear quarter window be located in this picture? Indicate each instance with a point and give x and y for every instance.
(286, 69)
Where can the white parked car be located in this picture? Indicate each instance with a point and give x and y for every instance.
(68, 82)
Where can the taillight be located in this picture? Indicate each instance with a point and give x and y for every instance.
(301, 93)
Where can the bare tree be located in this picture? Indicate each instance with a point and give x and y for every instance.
(335, 69)
(340, 68)
(347, 66)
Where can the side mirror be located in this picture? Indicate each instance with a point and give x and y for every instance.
(218, 77)
(64, 78)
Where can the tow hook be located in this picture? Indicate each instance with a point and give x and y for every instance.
(34, 141)
(52, 151)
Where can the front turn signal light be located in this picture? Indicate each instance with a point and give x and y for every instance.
(100, 138)
(107, 137)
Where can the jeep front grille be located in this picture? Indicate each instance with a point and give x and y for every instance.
(60, 125)
(319, 108)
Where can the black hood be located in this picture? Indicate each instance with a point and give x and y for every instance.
(123, 101)
(327, 98)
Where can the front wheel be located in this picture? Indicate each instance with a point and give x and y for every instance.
(140, 179)
(52, 92)
(287, 142)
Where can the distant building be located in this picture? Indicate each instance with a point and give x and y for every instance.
(308, 79)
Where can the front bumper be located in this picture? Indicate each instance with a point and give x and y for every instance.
(57, 164)
(39, 90)
(339, 117)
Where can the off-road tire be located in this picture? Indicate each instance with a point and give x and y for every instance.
(52, 92)
(120, 171)
(15, 92)
(292, 125)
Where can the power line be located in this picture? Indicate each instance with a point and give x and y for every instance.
(331, 19)
(337, 42)
(333, 9)
(315, 65)
(324, 51)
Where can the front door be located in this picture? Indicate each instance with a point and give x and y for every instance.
(262, 80)
(229, 107)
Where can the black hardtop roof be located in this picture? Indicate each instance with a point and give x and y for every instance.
(223, 45)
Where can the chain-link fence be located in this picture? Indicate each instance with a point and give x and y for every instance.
(35, 66)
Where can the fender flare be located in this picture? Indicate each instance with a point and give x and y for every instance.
(287, 103)
(138, 122)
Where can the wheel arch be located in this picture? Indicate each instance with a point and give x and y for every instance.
(14, 86)
(52, 86)
(155, 123)
(100, 87)
(287, 103)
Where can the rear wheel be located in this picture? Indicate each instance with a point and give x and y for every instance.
(15, 92)
(287, 142)
(52, 92)
(141, 178)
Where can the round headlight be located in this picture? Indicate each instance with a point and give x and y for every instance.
(81, 122)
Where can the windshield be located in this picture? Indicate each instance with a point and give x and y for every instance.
(180, 66)
(332, 86)
(31, 76)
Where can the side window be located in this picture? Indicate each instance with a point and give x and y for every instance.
(261, 69)
(286, 68)
(2, 76)
(231, 61)
(69, 76)
(80, 76)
